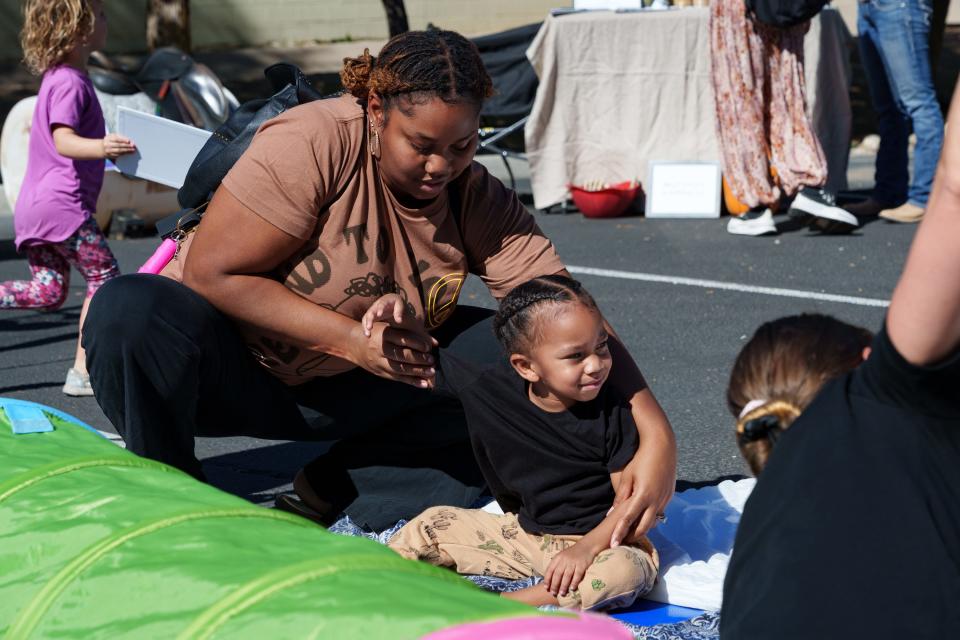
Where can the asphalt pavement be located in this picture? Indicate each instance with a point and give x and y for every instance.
(683, 294)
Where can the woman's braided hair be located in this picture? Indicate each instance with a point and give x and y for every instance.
(516, 325)
(420, 65)
(781, 369)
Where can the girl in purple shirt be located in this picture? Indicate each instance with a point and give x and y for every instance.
(53, 216)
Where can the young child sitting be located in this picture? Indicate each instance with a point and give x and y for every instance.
(550, 437)
(781, 369)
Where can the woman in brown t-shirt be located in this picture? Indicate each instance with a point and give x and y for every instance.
(335, 203)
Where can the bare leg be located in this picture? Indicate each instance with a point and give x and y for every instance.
(535, 596)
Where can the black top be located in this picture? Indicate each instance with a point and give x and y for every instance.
(853, 530)
(551, 469)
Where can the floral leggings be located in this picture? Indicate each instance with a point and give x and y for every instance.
(86, 250)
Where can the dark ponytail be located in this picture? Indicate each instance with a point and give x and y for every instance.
(514, 323)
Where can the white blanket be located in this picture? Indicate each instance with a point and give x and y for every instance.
(695, 543)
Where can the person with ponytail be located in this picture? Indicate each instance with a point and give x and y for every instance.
(780, 370)
(552, 436)
(853, 528)
(334, 204)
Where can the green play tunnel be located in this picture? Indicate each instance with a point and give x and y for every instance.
(98, 543)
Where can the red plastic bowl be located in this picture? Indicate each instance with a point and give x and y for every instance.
(605, 203)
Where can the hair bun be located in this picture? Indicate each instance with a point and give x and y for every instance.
(355, 75)
(761, 427)
(767, 421)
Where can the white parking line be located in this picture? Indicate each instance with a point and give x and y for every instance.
(729, 286)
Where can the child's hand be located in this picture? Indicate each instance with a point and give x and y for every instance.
(567, 569)
(115, 145)
(389, 308)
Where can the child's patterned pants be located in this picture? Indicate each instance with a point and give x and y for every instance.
(86, 250)
(476, 542)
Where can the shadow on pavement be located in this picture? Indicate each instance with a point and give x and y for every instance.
(260, 474)
(63, 337)
(31, 386)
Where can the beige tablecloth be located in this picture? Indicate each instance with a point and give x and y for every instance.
(618, 90)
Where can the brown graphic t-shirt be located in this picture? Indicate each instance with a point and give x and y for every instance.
(308, 172)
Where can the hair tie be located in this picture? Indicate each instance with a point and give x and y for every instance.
(750, 406)
(766, 426)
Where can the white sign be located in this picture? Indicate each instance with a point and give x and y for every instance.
(683, 190)
(165, 149)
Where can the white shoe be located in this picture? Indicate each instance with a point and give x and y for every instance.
(821, 204)
(752, 223)
(77, 384)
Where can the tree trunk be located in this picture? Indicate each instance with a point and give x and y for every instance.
(168, 24)
(396, 17)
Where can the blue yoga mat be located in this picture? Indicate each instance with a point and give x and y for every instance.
(646, 613)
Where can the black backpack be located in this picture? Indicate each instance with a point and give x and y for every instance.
(784, 13)
(232, 138)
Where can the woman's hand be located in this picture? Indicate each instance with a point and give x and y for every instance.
(394, 344)
(566, 570)
(646, 486)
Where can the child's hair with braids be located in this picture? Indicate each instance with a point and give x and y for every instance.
(779, 372)
(420, 65)
(519, 320)
(52, 29)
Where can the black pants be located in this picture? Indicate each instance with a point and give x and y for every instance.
(166, 366)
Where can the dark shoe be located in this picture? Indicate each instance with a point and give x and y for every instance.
(299, 508)
(866, 209)
(822, 204)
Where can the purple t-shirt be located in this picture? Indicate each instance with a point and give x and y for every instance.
(59, 193)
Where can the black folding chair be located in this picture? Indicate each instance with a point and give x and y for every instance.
(515, 84)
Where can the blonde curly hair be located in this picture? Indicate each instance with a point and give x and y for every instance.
(52, 29)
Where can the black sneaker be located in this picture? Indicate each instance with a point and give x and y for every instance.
(822, 205)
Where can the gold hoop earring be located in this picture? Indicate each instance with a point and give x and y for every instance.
(374, 142)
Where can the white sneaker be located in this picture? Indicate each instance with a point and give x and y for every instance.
(77, 384)
(752, 223)
(822, 204)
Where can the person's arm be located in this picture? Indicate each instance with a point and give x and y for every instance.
(924, 318)
(230, 254)
(566, 570)
(648, 481)
(71, 145)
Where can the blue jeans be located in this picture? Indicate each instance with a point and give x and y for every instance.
(894, 48)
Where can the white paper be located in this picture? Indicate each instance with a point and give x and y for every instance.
(683, 190)
(165, 149)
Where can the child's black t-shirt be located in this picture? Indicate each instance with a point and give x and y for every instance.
(551, 469)
(853, 530)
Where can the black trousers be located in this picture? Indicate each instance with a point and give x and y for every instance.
(166, 366)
